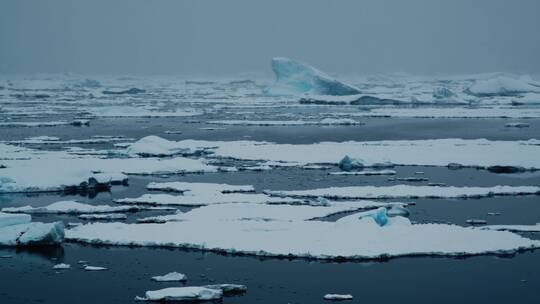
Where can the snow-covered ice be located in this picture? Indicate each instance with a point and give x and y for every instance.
(407, 191)
(501, 85)
(337, 297)
(71, 207)
(31, 233)
(435, 152)
(94, 268)
(192, 293)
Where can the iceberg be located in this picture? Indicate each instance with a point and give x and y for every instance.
(293, 77)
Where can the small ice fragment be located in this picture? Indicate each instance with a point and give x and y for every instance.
(193, 293)
(348, 164)
(476, 222)
(61, 266)
(517, 125)
(337, 297)
(493, 213)
(170, 277)
(94, 268)
(228, 289)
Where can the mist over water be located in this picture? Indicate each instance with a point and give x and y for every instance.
(231, 37)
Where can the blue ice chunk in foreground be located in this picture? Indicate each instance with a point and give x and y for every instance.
(293, 77)
(379, 215)
(348, 163)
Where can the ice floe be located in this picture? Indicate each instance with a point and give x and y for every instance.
(323, 122)
(192, 293)
(61, 266)
(199, 188)
(19, 231)
(128, 111)
(436, 152)
(29, 170)
(204, 198)
(407, 191)
(71, 207)
(103, 217)
(514, 228)
(337, 297)
(94, 268)
(366, 172)
(293, 77)
(350, 237)
(170, 277)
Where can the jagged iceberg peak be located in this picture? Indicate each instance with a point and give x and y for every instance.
(294, 77)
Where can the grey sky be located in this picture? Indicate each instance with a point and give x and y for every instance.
(228, 37)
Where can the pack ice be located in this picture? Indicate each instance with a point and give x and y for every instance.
(293, 77)
(19, 230)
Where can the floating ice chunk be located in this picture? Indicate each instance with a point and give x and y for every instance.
(106, 217)
(228, 289)
(501, 86)
(436, 152)
(337, 297)
(171, 277)
(293, 77)
(32, 234)
(514, 228)
(61, 266)
(94, 268)
(129, 111)
(517, 125)
(202, 199)
(182, 294)
(347, 163)
(70, 207)
(406, 191)
(155, 146)
(397, 210)
(7, 219)
(366, 172)
(378, 215)
(309, 239)
(476, 222)
(199, 187)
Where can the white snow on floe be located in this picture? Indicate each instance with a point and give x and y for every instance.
(128, 111)
(103, 217)
(434, 152)
(199, 188)
(293, 77)
(513, 228)
(29, 170)
(366, 172)
(170, 277)
(70, 207)
(407, 191)
(18, 230)
(323, 122)
(192, 293)
(204, 198)
(264, 212)
(347, 238)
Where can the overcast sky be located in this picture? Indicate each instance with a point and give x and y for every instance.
(232, 36)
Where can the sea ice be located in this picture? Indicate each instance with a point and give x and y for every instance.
(501, 86)
(7, 219)
(407, 191)
(31, 234)
(71, 207)
(192, 293)
(337, 297)
(94, 268)
(293, 77)
(514, 228)
(228, 289)
(61, 266)
(170, 277)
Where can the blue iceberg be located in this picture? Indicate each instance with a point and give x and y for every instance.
(293, 77)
